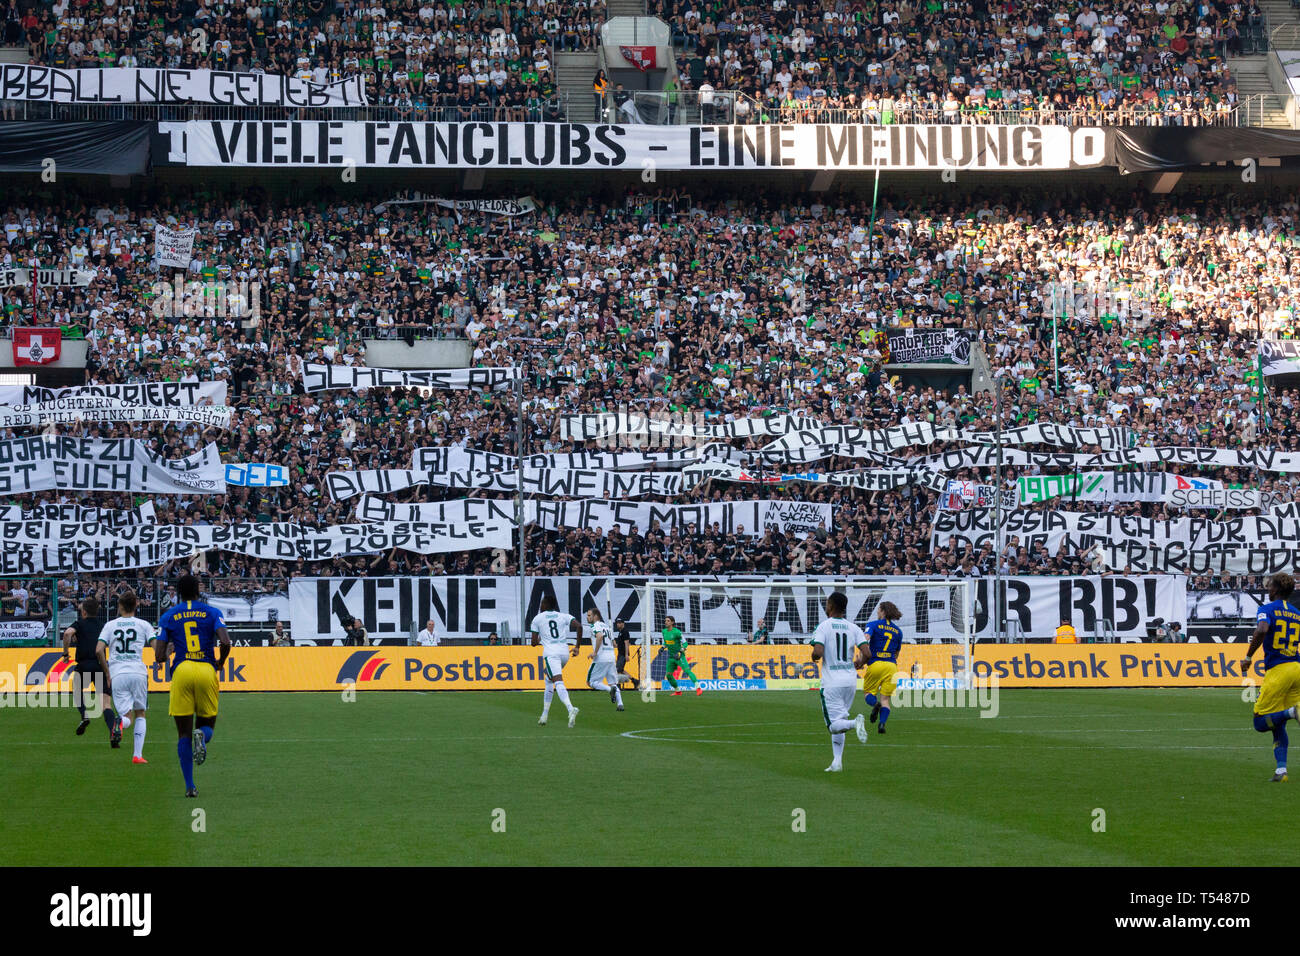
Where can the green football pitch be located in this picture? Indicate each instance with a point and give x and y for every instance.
(1175, 776)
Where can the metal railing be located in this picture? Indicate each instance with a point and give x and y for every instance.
(412, 333)
(437, 109)
(1285, 37)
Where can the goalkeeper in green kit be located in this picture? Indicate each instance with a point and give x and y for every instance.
(675, 657)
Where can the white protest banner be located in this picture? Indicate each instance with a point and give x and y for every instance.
(43, 463)
(70, 411)
(608, 424)
(173, 247)
(561, 146)
(574, 482)
(1280, 356)
(470, 608)
(875, 440)
(45, 546)
(158, 394)
(318, 378)
(118, 84)
(343, 485)
(1259, 559)
(1264, 459)
(373, 510)
(753, 518)
(571, 483)
(81, 514)
(47, 278)
(443, 459)
(12, 631)
(865, 480)
(1046, 433)
(1218, 499)
(1083, 529)
(491, 207)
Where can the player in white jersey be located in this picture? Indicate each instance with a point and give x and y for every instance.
(840, 646)
(603, 672)
(121, 644)
(557, 633)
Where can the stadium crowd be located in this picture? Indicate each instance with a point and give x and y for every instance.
(935, 61)
(1110, 61)
(420, 59)
(680, 305)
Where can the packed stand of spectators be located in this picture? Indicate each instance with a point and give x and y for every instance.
(421, 59)
(947, 61)
(678, 305)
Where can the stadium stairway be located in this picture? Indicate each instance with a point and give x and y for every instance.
(1283, 14)
(573, 75)
(1266, 106)
(13, 54)
(638, 8)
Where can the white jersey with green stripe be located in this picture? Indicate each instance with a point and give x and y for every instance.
(839, 639)
(126, 638)
(555, 630)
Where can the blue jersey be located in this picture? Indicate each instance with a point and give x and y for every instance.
(1283, 641)
(191, 627)
(885, 640)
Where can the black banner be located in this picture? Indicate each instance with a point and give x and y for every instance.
(113, 149)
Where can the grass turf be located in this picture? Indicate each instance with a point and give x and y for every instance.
(409, 778)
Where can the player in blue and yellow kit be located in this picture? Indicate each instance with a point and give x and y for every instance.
(878, 682)
(1277, 627)
(193, 629)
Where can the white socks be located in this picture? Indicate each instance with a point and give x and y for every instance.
(618, 696)
(840, 726)
(563, 694)
(546, 699)
(139, 737)
(837, 745)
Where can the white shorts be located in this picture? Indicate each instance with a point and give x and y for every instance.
(130, 692)
(836, 702)
(602, 672)
(554, 667)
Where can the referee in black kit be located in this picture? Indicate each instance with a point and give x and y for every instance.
(623, 641)
(86, 633)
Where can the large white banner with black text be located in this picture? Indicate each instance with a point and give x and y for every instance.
(394, 608)
(804, 146)
(45, 463)
(70, 411)
(36, 547)
(157, 394)
(119, 84)
(318, 378)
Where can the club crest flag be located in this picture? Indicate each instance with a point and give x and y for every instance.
(37, 346)
(641, 57)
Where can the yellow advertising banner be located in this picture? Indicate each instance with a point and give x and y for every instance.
(330, 668)
(718, 667)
